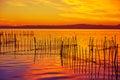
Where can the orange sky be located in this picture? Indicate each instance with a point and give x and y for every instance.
(59, 12)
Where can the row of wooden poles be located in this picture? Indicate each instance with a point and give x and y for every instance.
(27, 44)
(88, 60)
(11, 41)
(98, 61)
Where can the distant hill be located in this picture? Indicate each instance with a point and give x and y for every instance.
(77, 26)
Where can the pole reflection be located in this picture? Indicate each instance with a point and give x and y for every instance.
(100, 60)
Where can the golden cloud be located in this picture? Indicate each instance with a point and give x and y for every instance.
(92, 9)
(100, 10)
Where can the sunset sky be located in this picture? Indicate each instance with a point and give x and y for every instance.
(59, 12)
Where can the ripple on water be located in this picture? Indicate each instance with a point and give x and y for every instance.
(57, 78)
(48, 73)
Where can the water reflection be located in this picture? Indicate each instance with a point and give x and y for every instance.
(97, 63)
(58, 58)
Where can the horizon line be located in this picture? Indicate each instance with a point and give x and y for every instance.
(73, 26)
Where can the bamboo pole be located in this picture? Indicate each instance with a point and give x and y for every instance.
(35, 49)
(61, 54)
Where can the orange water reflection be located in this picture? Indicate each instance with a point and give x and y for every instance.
(46, 66)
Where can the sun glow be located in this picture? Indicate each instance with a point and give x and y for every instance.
(60, 12)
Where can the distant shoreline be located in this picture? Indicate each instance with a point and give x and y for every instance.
(78, 26)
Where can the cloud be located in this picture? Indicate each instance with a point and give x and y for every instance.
(5, 21)
(107, 10)
(76, 6)
(72, 2)
(15, 3)
(21, 3)
(92, 9)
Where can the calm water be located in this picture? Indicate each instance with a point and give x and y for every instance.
(59, 55)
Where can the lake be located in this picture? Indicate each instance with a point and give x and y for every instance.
(59, 54)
